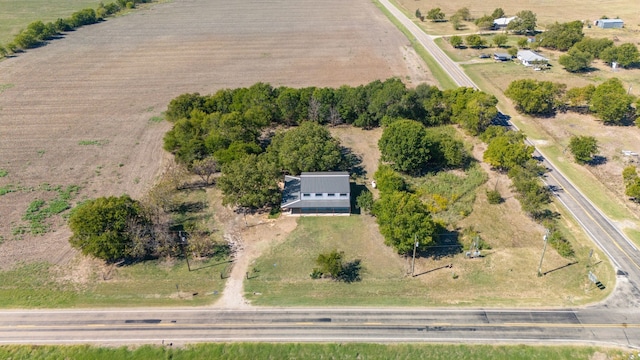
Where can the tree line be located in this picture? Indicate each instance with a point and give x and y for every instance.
(38, 33)
(609, 101)
(255, 135)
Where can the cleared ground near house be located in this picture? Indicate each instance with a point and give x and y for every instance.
(83, 110)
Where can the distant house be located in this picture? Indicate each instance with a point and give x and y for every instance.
(530, 58)
(501, 23)
(610, 23)
(317, 193)
(501, 57)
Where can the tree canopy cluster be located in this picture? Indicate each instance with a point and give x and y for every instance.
(401, 215)
(485, 22)
(561, 36)
(37, 32)
(232, 123)
(608, 101)
(524, 23)
(411, 148)
(110, 228)
(631, 182)
(583, 148)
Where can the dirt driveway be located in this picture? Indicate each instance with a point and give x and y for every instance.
(77, 111)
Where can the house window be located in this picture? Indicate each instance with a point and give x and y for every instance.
(318, 194)
(306, 195)
(331, 195)
(343, 195)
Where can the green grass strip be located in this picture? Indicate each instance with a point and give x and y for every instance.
(258, 351)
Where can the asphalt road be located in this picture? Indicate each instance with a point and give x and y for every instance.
(613, 327)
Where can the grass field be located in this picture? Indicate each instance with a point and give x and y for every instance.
(504, 276)
(238, 351)
(152, 283)
(17, 14)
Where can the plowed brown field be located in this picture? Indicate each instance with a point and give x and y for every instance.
(77, 110)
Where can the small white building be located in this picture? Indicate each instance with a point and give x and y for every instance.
(530, 58)
(610, 23)
(501, 23)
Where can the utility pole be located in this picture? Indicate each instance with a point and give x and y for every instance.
(544, 248)
(415, 246)
(183, 243)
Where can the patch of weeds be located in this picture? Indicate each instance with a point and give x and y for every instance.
(136, 180)
(41, 152)
(40, 210)
(120, 165)
(3, 173)
(149, 109)
(93, 142)
(1, 239)
(4, 87)
(5, 189)
(156, 119)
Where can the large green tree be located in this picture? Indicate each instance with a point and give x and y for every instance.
(507, 151)
(535, 97)
(388, 181)
(611, 103)
(576, 60)
(475, 41)
(595, 47)
(625, 55)
(561, 36)
(435, 14)
(402, 218)
(250, 182)
(104, 227)
(583, 148)
(404, 145)
(525, 22)
(308, 147)
(472, 109)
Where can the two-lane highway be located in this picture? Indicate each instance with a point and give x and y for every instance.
(312, 325)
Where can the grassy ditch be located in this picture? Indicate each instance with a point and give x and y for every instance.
(313, 351)
(150, 283)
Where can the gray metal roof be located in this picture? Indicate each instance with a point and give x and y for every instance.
(324, 182)
(528, 55)
(291, 192)
(324, 203)
(611, 21)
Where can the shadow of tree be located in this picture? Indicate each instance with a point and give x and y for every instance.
(446, 244)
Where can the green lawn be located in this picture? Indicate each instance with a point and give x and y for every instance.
(257, 351)
(504, 277)
(17, 14)
(150, 283)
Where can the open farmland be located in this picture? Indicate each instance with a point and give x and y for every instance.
(17, 14)
(78, 111)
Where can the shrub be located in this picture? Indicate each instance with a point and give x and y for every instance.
(494, 197)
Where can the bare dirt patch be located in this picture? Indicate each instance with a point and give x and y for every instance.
(102, 83)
